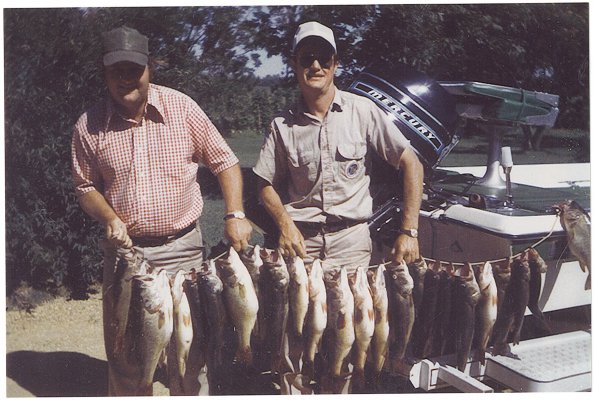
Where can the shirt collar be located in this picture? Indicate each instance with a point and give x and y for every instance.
(154, 108)
(336, 106)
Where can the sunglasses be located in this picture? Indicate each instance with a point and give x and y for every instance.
(325, 59)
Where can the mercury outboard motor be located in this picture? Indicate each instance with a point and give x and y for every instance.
(422, 110)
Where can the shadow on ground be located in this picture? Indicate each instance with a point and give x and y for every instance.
(65, 374)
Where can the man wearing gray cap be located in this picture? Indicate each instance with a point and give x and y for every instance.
(320, 149)
(135, 159)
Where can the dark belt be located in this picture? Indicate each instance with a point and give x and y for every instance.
(329, 227)
(148, 242)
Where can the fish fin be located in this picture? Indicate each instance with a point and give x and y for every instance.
(583, 266)
(588, 282)
(371, 314)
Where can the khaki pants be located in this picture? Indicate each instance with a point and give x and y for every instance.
(351, 247)
(183, 253)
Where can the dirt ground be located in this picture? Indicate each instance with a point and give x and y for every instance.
(57, 350)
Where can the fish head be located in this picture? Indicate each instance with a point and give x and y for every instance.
(177, 286)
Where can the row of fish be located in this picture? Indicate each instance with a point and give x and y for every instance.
(457, 310)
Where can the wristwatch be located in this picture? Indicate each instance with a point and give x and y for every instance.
(235, 215)
(412, 232)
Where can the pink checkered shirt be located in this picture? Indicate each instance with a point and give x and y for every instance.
(147, 171)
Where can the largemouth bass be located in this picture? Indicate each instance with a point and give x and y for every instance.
(400, 308)
(198, 348)
(128, 265)
(363, 324)
(501, 271)
(379, 346)
(486, 310)
(211, 294)
(241, 301)
(150, 326)
(183, 332)
(577, 224)
(537, 266)
(442, 334)
(253, 262)
(316, 318)
(274, 286)
(519, 289)
(466, 296)
(298, 308)
(340, 328)
(418, 270)
(426, 318)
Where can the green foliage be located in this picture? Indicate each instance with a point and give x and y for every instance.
(53, 74)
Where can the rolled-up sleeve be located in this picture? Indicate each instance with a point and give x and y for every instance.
(272, 162)
(85, 172)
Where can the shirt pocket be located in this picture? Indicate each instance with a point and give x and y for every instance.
(302, 168)
(351, 159)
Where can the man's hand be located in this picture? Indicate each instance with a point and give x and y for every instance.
(291, 240)
(406, 249)
(117, 234)
(238, 233)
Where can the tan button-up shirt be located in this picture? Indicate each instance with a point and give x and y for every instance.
(324, 163)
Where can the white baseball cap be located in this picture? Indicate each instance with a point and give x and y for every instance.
(313, 28)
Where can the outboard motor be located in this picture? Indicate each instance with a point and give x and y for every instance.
(422, 110)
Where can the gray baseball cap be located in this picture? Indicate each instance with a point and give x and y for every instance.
(125, 44)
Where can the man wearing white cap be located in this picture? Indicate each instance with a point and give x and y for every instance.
(135, 158)
(320, 149)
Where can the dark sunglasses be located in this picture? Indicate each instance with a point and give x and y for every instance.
(325, 59)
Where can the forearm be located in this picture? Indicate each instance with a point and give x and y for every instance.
(230, 181)
(413, 176)
(95, 205)
(273, 204)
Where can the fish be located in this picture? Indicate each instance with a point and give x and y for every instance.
(512, 310)
(274, 286)
(340, 329)
(210, 289)
(537, 266)
(466, 296)
(316, 317)
(149, 328)
(576, 222)
(298, 308)
(501, 271)
(486, 310)
(519, 288)
(183, 331)
(240, 301)
(418, 270)
(253, 262)
(442, 326)
(363, 323)
(400, 308)
(129, 264)
(424, 321)
(379, 346)
(198, 348)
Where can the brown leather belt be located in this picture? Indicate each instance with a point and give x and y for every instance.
(326, 228)
(148, 242)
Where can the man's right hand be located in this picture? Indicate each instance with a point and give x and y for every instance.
(291, 240)
(117, 234)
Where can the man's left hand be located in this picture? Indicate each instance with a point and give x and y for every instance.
(238, 233)
(406, 249)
